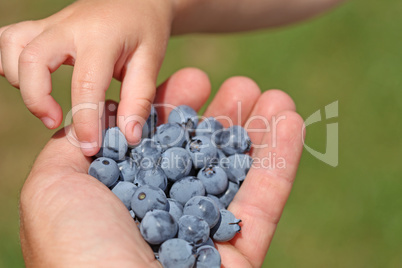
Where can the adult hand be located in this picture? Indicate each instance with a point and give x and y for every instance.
(70, 219)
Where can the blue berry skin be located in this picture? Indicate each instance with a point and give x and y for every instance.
(128, 169)
(210, 128)
(203, 207)
(221, 155)
(154, 176)
(176, 163)
(158, 226)
(208, 257)
(193, 229)
(105, 170)
(214, 179)
(238, 167)
(114, 144)
(148, 150)
(184, 115)
(202, 151)
(147, 198)
(209, 242)
(217, 201)
(234, 140)
(227, 197)
(186, 188)
(227, 227)
(177, 253)
(148, 129)
(221, 159)
(171, 135)
(125, 190)
(175, 209)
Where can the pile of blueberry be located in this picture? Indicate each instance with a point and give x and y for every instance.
(177, 183)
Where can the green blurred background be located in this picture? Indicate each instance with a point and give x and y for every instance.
(348, 216)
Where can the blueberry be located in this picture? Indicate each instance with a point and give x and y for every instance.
(214, 179)
(171, 135)
(227, 197)
(193, 229)
(114, 144)
(147, 198)
(128, 169)
(147, 151)
(234, 140)
(221, 159)
(238, 167)
(217, 201)
(184, 115)
(149, 128)
(226, 228)
(221, 155)
(186, 188)
(208, 257)
(176, 163)
(158, 226)
(105, 170)
(210, 128)
(175, 208)
(154, 176)
(203, 207)
(177, 253)
(202, 151)
(209, 242)
(124, 190)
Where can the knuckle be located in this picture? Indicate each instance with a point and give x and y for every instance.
(31, 103)
(30, 55)
(8, 37)
(85, 87)
(144, 104)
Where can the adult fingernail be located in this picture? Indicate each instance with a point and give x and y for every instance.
(48, 122)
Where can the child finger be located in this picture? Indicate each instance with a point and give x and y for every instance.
(137, 92)
(12, 42)
(93, 72)
(37, 61)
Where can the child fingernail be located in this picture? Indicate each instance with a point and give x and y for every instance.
(48, 122)
(137, 132)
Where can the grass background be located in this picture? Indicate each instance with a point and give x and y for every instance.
(348, 216)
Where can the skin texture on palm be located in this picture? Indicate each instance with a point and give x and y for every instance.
(70, 219)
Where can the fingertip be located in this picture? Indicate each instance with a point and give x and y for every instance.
(48, 122)
(195, 77)
(89, 137)
(192, 79)
(88, 151)
(133, 133)
(282, 99)
(242, 84)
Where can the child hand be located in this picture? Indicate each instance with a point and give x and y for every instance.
(124, 39)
